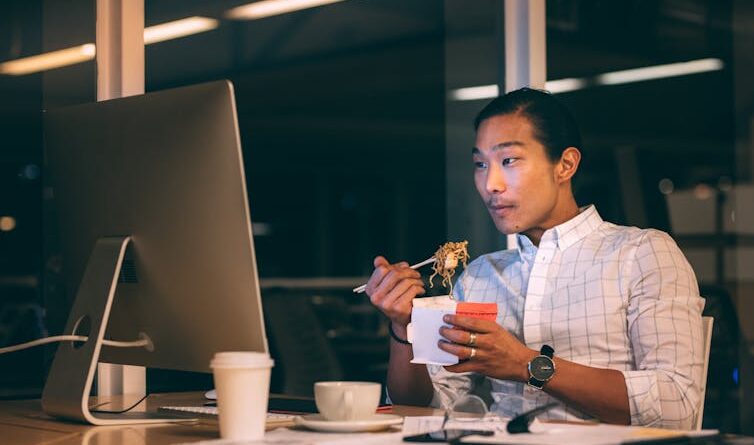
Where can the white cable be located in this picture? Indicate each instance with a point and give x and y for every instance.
(30, 344)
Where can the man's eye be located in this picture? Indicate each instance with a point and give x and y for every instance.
(509, 161)
(480, 164)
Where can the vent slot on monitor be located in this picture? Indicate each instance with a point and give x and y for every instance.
(127, 273)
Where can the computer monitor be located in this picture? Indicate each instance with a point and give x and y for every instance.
(150, 192)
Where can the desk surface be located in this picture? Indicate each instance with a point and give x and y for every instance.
(22, 422)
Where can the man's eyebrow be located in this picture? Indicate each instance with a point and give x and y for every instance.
(500, 146)
(506, 144)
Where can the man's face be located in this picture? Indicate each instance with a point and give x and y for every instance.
(513, 175)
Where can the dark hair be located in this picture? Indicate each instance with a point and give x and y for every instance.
(554, 126)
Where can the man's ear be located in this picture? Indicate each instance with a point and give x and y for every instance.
(568, 164)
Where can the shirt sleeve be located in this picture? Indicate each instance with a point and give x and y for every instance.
(665, 329)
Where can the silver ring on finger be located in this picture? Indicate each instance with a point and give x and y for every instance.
(472, 339)
(472, 353)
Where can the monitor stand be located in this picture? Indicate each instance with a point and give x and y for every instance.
(66, 393)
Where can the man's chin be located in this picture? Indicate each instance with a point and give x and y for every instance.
(506, 228)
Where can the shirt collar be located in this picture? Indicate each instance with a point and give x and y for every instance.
(567, 233)
(576, 228)
(524, 246)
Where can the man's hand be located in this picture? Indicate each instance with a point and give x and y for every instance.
(498, 353)
(392, 288)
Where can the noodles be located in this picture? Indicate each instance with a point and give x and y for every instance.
(447, 257)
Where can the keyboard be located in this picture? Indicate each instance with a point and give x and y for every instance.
(274, 419)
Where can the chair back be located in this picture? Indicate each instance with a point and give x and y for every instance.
(707, 323)
(303, 353)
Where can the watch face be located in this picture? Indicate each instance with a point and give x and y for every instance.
(541, 368)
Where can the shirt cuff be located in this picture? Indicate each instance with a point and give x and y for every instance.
(643, 397)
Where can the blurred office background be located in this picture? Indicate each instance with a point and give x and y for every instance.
(356, 123)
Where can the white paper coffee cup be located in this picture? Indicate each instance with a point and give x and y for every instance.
(242, 382)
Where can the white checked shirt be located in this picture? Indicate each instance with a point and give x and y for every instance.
(601, 295)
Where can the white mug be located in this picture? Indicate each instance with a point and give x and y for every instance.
(338, 401)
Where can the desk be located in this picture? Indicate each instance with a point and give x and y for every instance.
(22, 422)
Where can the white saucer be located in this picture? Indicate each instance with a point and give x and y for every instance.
(375, 423)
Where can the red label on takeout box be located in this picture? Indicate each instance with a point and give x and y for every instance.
(485, 311)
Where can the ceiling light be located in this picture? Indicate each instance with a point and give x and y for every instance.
(48, 61)
(7, 223)
(611, 78)
(178, 28)
(267, 8)
(83, 53)
(490, 91)
(474, 93)
(565, 85)
(659, 71)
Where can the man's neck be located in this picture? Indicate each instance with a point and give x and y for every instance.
(561, 214)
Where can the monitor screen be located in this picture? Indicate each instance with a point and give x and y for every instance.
(165, 168)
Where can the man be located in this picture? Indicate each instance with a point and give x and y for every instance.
(614, 310)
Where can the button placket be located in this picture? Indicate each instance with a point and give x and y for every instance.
(535, 292)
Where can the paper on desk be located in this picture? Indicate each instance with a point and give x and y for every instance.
(421, 424)
(290, 436)
(424, 424)
(584, 434)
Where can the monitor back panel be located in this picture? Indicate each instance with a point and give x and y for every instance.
(167, 169)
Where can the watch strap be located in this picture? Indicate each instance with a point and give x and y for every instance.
(536, 383)
(547, 351)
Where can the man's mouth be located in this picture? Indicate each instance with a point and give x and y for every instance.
(501, 209)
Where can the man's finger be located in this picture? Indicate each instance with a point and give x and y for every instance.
(460, 351)
(464, 366)
(402, 289)
(471, 323)
(380, 261)
(394, 277)
(460, 336)
(381, 270)
(415, 290)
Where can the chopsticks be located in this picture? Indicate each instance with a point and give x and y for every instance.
(429, 260)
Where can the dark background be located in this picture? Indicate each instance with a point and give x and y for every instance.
(346, 126)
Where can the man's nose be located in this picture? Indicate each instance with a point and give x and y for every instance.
(495, 180)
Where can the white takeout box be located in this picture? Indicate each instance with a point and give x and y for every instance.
(427, 319)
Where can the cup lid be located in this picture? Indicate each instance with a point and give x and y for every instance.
(237, 359)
